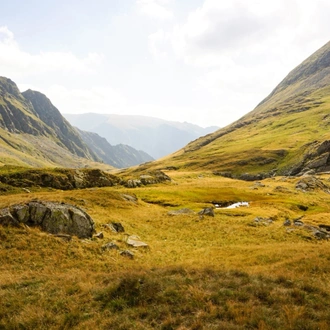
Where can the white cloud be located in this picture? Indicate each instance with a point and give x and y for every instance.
(17, 62)
(155, 9)
(158, 43)
(240, 50)
(224, 31)
(98, 99)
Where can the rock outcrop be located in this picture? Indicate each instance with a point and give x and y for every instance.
(54, 218)
(310, 183)
(151, 177)
(64, 179)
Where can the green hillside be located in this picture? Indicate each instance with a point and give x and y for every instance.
(286, 134)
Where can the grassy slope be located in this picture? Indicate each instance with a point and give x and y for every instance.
(276, 134)
(41, 147)
(276, 139)
(213, 273)
(39, 151)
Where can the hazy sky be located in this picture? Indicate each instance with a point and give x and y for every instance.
(207, 62)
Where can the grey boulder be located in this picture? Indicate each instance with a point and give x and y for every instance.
(54, 218)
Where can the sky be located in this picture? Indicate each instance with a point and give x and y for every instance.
(207, 62)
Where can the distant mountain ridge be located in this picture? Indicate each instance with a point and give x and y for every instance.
(119, 156)
(34, 133)
(155, 136)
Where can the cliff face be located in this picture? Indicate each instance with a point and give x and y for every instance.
(33, 132)
(17, 114)
(65, 133)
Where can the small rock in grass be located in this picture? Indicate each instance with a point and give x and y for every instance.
(207, 211)
(99, 235)
(110, 246)
(287, 222)
(127, 253)
(135, 241)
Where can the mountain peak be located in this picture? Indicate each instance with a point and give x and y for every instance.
(9, 87)
(286, 134)
(311, 74)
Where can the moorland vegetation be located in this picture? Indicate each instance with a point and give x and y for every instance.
(264, 265)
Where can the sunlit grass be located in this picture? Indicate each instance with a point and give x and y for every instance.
(221, 272)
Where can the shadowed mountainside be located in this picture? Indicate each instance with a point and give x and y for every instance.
(119, 156)
(34, 133)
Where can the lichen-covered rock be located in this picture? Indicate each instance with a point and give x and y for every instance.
(21, 213)
(133, 183)
(207, 211)
(110, 246)
(54, 218)
(152, 177)
(309, 183)
(129, 198)
(6, 218)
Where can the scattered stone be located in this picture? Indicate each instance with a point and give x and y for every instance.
(135, 241)
(207, 211)
(257, 185)
(110, 246)
(298, 222)
(127, 253)
(310, 183)
(325, 227)
(116, 227)
(321, 234)
(287, 222)
(7, 219)
(302, 207)
(54, 218)
(129, 198)
(99, 235)
(181, 211)
(263, 221)
(281, 189)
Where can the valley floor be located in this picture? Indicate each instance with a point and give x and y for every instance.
(241, 269)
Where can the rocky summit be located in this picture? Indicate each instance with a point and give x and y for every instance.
(34, 133)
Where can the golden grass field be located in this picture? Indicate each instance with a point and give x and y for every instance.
(221, 272)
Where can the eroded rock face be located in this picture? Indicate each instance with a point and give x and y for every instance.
(52, 217)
